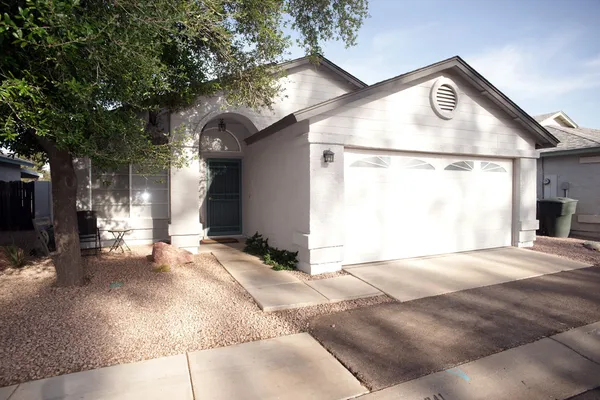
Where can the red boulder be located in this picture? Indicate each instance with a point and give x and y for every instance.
(163, 253)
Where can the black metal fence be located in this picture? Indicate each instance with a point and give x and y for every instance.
(17, 205)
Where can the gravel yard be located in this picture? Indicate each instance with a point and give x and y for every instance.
(47, 331)
(568, 248)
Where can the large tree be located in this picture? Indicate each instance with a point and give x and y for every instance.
(87, 78)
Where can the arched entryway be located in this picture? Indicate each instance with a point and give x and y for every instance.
(221, 151)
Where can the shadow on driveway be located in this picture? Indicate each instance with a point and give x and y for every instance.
(392, 343)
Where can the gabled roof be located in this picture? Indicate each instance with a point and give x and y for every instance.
(544, 139)
(561, 115)
(322, 61)
(543, 117)
(573, 140)
(15, 160)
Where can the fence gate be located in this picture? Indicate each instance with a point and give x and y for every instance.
(17, 205)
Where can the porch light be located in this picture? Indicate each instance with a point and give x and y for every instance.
(328, 156)
(222, 125)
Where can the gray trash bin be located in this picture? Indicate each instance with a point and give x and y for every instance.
(555, 215)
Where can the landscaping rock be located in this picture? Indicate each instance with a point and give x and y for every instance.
(592, 245)
(165, 254)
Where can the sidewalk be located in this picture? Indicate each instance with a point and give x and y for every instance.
(557, 367)
(277, 290)
(297, 367)
(288, 367)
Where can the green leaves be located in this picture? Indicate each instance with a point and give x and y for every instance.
(85, 74)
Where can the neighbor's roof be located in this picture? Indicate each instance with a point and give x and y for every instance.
(573, 140)
(544, 138)
(557, 115)
(15, 160)
(543, 117)
(31, 174)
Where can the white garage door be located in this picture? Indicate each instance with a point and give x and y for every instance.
(408, 205)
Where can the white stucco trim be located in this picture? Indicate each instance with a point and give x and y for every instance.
(384, 143)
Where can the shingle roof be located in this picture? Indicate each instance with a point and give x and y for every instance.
(540, 118)
(573, 139)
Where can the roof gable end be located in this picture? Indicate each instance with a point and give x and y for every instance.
(322, 61)
(559, 117)
(543, 138)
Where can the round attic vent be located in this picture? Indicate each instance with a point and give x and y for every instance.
(444, 98)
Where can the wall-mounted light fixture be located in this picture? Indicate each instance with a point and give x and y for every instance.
(328, 156)
(222, 125)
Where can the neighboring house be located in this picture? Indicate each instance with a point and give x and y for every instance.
(14, 168)
(572, 169)
(433, 161)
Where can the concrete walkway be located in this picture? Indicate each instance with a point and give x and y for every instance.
(421, 277)
(288, 367)
(278, 290)
(557, 367)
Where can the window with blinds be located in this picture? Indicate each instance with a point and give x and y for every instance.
(126, 192)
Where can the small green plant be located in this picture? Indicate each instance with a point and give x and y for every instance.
(162, 268)
(279, 259)
(15, 256)
(257, 245)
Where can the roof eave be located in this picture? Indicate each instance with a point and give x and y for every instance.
(567, 152)
(329, 65)
(17, 161)
(519, 116)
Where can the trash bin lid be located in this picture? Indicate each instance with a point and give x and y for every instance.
(560, 200)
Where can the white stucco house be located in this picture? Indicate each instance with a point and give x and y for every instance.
(572, 169)
(433, 161)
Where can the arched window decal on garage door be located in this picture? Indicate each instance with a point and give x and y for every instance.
(491, 167)
(372, 162)
(461, 166)
(415, 163)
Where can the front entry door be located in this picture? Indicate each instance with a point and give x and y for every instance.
(224, 214)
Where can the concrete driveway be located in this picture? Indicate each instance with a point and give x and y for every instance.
(388, 344)
(417, 278)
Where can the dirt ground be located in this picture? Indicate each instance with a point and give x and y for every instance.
(47, 331)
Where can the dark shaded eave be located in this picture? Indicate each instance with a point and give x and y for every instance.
(570, 152)
(548, 140)
(29, 174)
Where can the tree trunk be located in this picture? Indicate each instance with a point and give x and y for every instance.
(67, 261)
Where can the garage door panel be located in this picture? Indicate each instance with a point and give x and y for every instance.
(397, 212)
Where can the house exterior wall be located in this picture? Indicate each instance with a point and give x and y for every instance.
(118, 204)
(275, 190)
(584, 185)
(303, 86)
(10, 172)
(402, 119)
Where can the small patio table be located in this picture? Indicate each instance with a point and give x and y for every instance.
(119, 242)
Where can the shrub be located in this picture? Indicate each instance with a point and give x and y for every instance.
(278, 259)
(15, 256)
(257, 245)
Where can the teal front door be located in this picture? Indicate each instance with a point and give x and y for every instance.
(224, 211)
